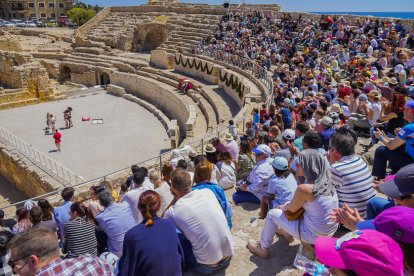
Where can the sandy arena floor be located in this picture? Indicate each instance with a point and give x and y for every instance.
(129, 134)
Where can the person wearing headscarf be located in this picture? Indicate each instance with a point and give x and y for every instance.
(318, 198)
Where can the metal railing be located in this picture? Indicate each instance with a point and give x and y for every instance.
(56, 170)
(243, 63)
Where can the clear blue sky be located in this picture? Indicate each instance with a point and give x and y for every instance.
(298, 5)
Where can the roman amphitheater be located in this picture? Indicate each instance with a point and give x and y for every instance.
(122, 68)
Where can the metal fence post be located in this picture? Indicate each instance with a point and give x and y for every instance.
(160, 160)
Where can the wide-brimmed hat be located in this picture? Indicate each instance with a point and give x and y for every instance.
(228, 137)
(192, 154)
(375, 94)
(210, 148)
(385, 79)
(393, 81)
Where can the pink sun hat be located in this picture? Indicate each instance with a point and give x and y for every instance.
(366, 252)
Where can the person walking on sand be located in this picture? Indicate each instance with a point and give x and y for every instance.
(47, 123)
(52, 123)
(57, 137)
(69, 113)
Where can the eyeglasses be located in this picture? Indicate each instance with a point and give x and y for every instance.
(12, 263)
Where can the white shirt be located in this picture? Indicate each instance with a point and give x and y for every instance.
(233, 149)
(132, 198)
(259, 178)
(228, 175)
(199, 216)
(376, 107)
(166, 196)
(147, 183)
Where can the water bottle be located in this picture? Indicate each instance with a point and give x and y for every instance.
(310, 267)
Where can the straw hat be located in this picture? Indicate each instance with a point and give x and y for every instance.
(192, 154)
(210, 148)
(228, 137)
(393, 81)
(375, 94)
(385, 79)
(336, 108)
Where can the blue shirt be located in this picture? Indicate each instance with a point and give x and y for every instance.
(115, 221)
(407, 134)
(152, 250)
(221, 197)
(282, 188)
(287, 120)
(62, 216)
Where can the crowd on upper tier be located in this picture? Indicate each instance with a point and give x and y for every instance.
(336, 86)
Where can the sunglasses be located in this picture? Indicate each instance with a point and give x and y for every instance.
(12, 263)
(407, 197)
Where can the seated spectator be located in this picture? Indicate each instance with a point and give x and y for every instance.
(164, 190)
(211, 153)
(36, 217)
(350, 173)
(62, 212)
(131, 198)
(282, 186)
(152, 247)
(372, 111)
(94, 208)
(227, 170)
(300, 131)
(317, 198)
(364, 252)
(6, 224)
(79, 233)
(220, 147)
(5, 268)
(203, 172)
(394, 152)
(246, 160)
(256, 187)
(154, 177)
(147, 182)
(23, 221)
(231, 146)
(199, 217)
(288, 137)
(182, 164)
(327, 130)
(115, 220)
(128, 182)
(215, 172)
(37, 252)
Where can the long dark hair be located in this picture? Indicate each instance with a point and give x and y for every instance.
(47, 209)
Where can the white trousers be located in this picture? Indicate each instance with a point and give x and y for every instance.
(276, 218)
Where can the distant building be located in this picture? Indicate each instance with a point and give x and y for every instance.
(40, 9)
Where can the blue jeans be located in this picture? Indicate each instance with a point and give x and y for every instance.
(376, 205)
(397, 159)
(191, 261)
(242, 196)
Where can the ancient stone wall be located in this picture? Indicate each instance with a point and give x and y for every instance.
(87, 78)
(196, 67)
(233, 86)
(7, 44)
(161, 59)
(27, 177)
(84, 29)
(150, 91)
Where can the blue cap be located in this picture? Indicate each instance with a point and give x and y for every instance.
(366, 224)
(410, 105)
(280, 163)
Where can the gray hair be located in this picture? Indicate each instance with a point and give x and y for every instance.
(106, 198)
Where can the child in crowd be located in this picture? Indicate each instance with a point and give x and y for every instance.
(232, 129)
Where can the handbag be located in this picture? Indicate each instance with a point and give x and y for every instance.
(291, 216)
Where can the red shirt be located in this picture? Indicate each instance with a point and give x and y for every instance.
(346, 91)
(57, 137)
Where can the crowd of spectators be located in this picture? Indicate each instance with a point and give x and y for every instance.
(296, 160)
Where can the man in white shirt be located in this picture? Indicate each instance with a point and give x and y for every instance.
(232, 146)
(205, 236)
(372, 112)
(147, 183)
(132, 197)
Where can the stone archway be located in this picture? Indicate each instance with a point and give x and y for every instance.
(149, 36)
(104, 79)
(65, 74)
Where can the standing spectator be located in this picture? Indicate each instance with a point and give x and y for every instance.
(393, 150)
(36, 217)
(286, 116)
(62, 212)
(350, 173)
(198, 216)
(232, 129)
(57, 137)
(23, 221)
(152, 247)
(227, 170)
(256, 188)
(246, 160)
(300, 131)
(128, 182)
(131, 198)
(36, 252)
(115, 220)
(5, 238)
(326, 130)
(232, 146)
(79, 233)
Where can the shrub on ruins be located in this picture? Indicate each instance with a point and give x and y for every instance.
(81, 15)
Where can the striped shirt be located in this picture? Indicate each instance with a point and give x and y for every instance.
(80, 238)
(353, 180)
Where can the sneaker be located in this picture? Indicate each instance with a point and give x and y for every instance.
(255, 248)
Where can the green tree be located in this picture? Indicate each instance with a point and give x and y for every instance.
(80, 15)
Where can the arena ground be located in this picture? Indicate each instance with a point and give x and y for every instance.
(129, 133)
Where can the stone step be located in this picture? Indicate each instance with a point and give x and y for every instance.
(194, 35)
(13, 104)
(174, 38)
(83, 61)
